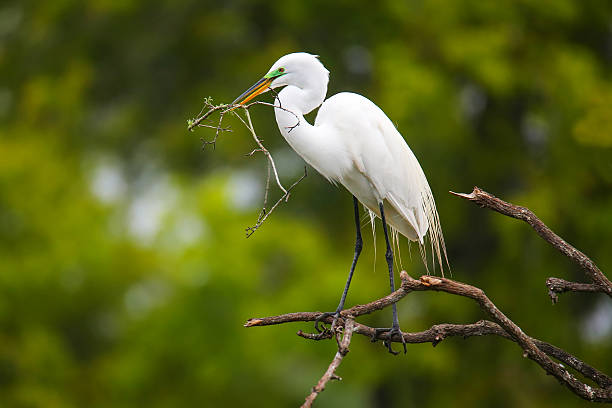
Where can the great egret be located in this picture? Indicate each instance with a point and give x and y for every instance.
(355, 144)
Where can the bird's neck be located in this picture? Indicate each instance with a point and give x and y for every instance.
(292, 103)
(302, 99)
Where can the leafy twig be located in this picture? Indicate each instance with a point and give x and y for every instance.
(223, 109)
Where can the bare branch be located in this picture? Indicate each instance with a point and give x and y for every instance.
(264, 215)
(192, 123)
(583, 368)
(330, 373)
(484, 199)
(534, 349)
(556, 286)
(262, 148)
(437, 333)
(271, 165)
(530, 350)
(327, 334)
(217, 128)
(264, 206)
(225, 108)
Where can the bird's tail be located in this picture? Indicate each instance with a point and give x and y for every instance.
(434, 233)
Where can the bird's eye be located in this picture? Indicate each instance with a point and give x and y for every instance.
(281, 69)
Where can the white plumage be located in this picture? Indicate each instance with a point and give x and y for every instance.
(353, 142)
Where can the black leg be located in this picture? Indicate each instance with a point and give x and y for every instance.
(395, 330)
(358, 247)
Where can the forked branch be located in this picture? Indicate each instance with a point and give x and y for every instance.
(484, 199)
(534, 349)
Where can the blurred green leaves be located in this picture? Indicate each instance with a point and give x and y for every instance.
(125, 276)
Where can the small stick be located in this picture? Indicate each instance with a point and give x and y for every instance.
(248, 123)
(251, 230)
(330, 373)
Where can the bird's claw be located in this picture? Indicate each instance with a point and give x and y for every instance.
(322, 328)
(391, 331)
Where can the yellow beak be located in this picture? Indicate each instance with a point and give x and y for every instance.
(259, 87)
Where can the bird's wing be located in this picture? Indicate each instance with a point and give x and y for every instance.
(381, 155)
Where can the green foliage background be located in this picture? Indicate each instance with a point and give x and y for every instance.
(125, 276)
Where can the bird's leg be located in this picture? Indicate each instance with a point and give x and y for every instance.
(395, 330)
(358, 247)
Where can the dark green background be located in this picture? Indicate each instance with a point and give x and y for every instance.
(125, 276)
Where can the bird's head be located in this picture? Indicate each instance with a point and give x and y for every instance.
(299, 69)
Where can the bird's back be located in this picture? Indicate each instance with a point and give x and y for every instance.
(376, 165)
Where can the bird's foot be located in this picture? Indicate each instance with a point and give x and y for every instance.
(320, 327)
(392, 332)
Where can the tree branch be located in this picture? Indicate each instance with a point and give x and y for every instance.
(263, 215)
(530, 350)
(330, 373)
(271, 165)
(534, 349)
(556, 286)
(484, 199)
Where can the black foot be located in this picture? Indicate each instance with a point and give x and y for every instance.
(319, 327)
(391, 333)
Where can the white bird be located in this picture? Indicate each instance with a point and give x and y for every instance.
(354, 143)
